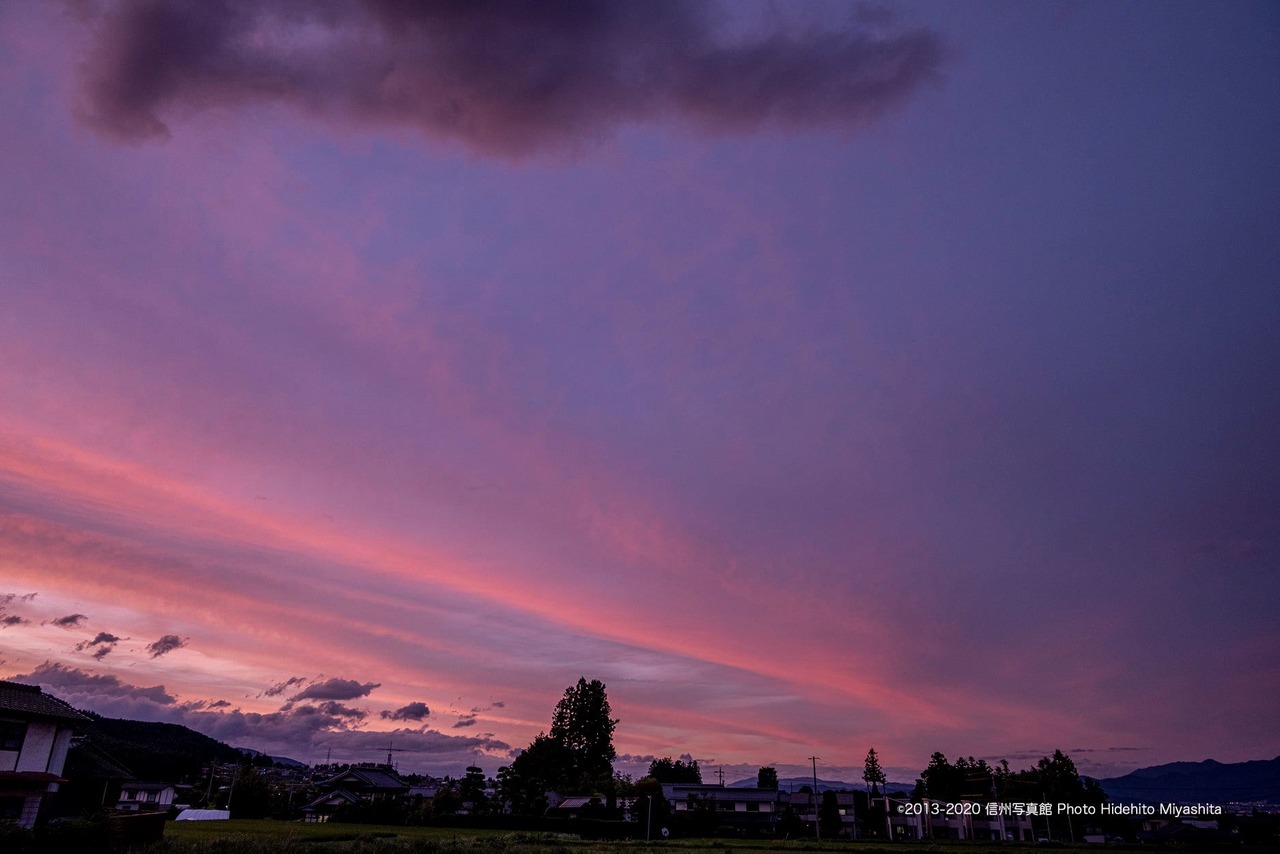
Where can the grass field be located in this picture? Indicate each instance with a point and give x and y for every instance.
(233, 837)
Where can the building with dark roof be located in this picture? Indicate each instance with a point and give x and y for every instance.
(359, 783)
(35, 734)
(748, 809)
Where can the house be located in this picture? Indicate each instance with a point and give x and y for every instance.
(574, 805)
(746, 809)
(963, 820)
(850, 805)
(365, 783)
(35, 734)
(137, 796)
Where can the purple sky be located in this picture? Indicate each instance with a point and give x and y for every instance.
(817, 377)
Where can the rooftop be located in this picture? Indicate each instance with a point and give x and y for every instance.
(30, 701)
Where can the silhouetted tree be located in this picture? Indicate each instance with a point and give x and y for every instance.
(872, 773)
(582, 724)
(472, 790)
(767, 778)
(941, 781)
(576, 756)
(648, 796)
(251, 795)
(667, 770)
(446, 801)
(540, 767)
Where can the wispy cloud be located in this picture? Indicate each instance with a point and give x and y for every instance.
(8, 620)
(70, 621)
(280, 687)
(899, 405)
(104, 642)
(166, 645)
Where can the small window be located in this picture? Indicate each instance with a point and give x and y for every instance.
(12, 734)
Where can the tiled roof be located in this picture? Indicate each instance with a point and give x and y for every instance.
(29, 700)
(330, 799)
(371, 778)
(706, 791)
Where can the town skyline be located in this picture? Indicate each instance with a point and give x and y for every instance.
(817, 377)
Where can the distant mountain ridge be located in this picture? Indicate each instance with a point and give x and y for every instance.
(1209, 781)
(284, 761)
(793, 784)
(154, 751)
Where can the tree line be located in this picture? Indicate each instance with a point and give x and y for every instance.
(576, 756)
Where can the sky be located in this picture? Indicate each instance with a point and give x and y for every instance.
(818, 376)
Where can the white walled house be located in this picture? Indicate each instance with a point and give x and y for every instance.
(146, 797)
(35, 733)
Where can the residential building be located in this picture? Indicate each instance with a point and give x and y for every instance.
(35, 734)
(365, 783)
(137, 796)
(747, 809)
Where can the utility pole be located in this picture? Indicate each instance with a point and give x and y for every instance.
(720, 774)
(233, 790)
(817, 825)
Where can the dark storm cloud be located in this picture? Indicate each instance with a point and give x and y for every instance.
(501, 76)
(70, 621)
(410, 712)
(335, 689)
(296, 730)
(165, 645)
(70, 682)
(335, 709)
